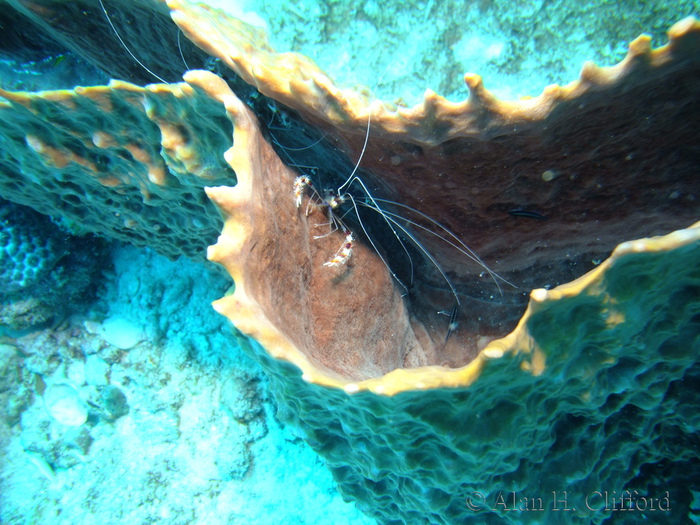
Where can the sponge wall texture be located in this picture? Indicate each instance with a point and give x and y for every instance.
(120, 160)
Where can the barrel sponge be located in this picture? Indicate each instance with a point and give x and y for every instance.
(597, 382)
(594, 388)
(351, 327)
(30, 246)
(591, 157)
(587, 392)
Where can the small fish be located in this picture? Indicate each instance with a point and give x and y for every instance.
(519, 212)
(452, 326)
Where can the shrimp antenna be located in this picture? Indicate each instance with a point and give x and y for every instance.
(359, 219)
(179, 47)
(348, 181)
(395, 222)
(462, 248)
(398, 238)
(127, 48)
(425, 251)
(290, 160)
(377, 209)
(362, 153)
(287, 148)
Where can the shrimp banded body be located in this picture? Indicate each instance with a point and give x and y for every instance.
(302, 185)
(410, 243)
(355, 209)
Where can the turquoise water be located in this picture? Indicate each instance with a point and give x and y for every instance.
(136, 405)
(517, 47)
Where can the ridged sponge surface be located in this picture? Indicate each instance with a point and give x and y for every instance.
(28, 249)
(123, 161)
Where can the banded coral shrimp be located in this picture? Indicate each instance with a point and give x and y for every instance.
(354, 202)
(393, 229)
